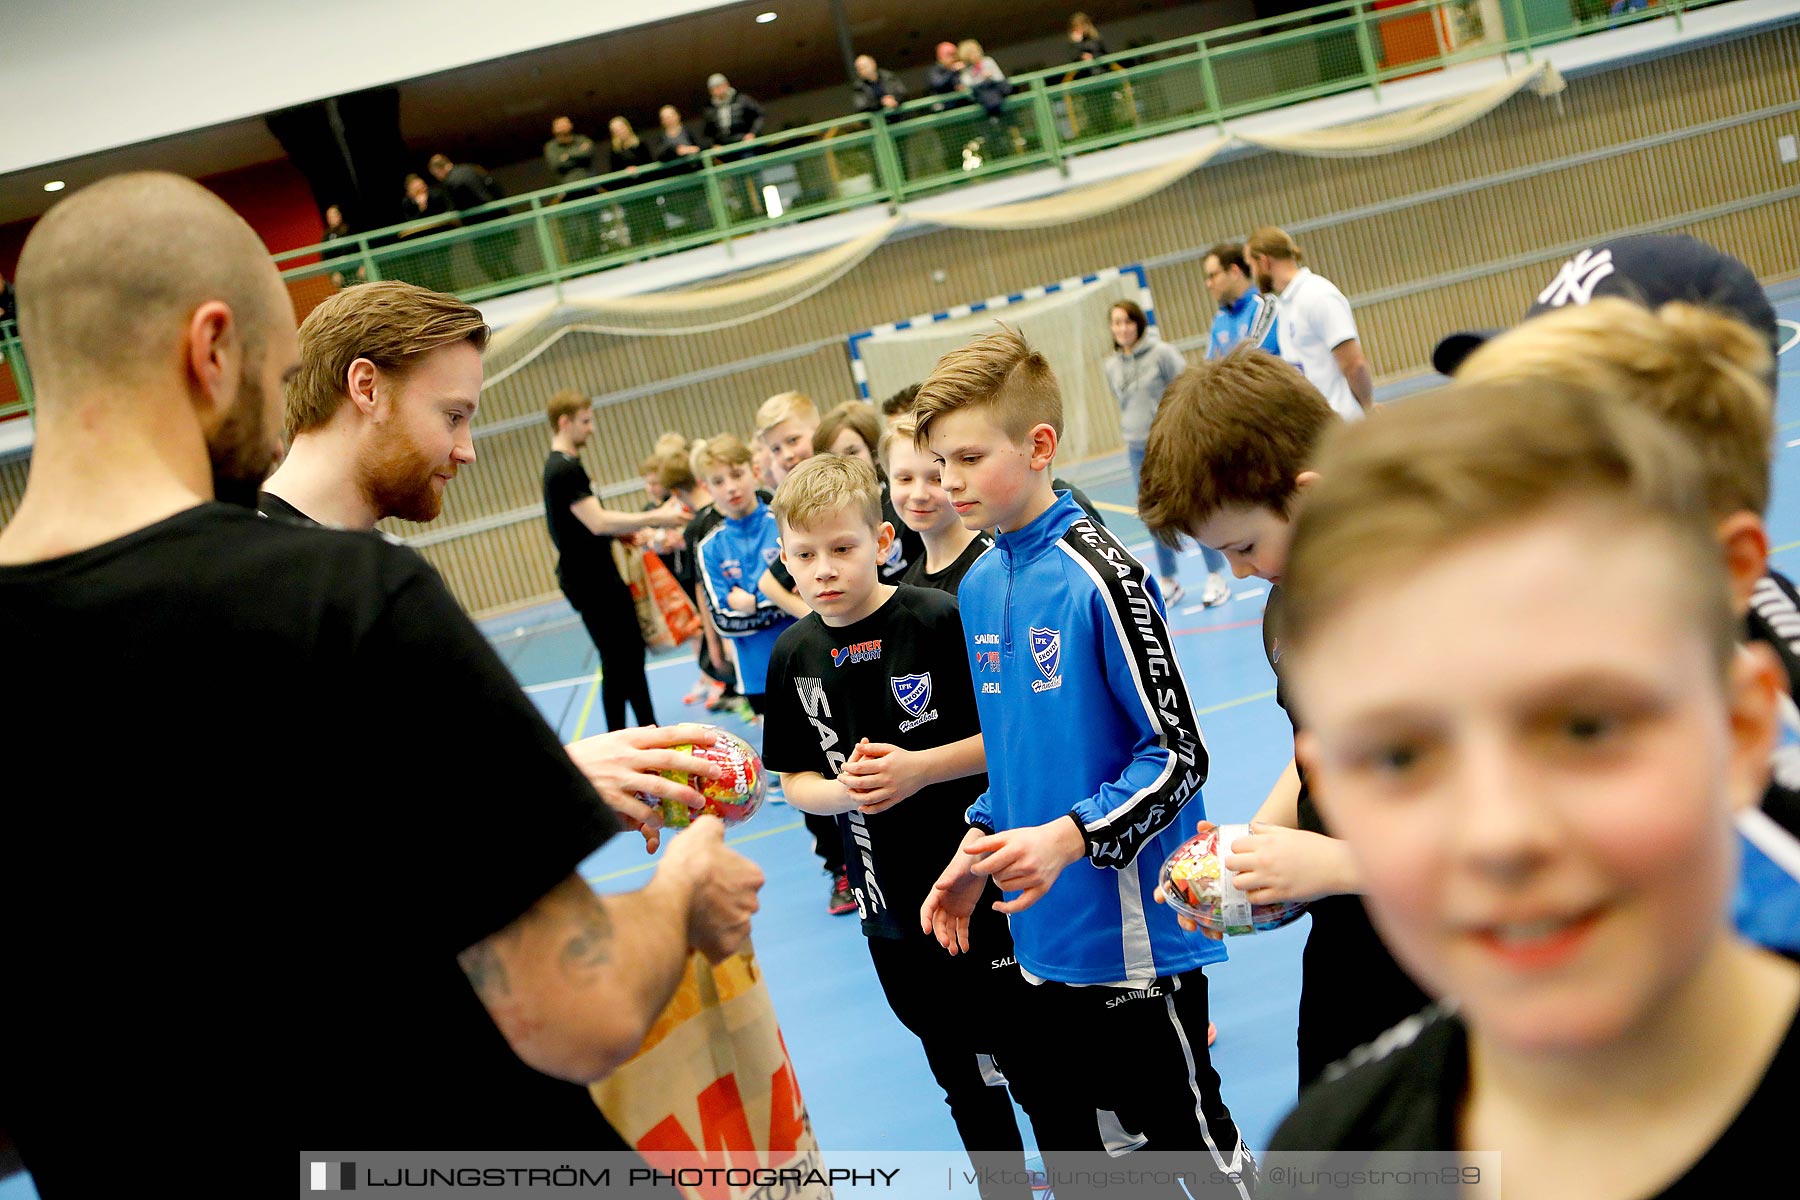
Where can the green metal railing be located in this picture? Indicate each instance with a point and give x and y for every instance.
(926, 146)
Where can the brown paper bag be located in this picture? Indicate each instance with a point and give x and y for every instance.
(712, 1086)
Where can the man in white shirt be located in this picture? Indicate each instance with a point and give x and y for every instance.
(1316, 332)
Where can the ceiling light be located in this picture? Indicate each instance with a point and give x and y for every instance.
(55, 185)
(764, 18)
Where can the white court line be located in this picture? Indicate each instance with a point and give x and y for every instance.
(1792, 444)
(1789, 344)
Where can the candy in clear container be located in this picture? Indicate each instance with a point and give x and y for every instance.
(734, 796)
(1196, 883)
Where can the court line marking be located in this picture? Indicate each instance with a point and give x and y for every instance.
(1789, 344)
(554, 685)
(1788, 546)
(1250, 699)
(650, 864)
(587, 708)
(1109, 506)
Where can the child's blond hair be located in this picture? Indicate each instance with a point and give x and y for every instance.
(825, 485)
(783, 406)
(904, 427)
(725, 450)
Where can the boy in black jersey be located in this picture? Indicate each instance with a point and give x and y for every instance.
(1528, 715)
(1228, 455)
(915, 480)
(884, 664)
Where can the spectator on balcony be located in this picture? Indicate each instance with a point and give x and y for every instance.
(337, 230)
(982, 77)
(626, 151)
(468, 186)
(944, 77)
(1084, 35)
(675, 142)
(422, 200)
(735, 117)
(569, 155)
(877, 90)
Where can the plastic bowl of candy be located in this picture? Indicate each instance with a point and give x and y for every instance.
(734, 796)
(1196, 883)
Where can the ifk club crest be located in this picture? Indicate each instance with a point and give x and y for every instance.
(913, 692)
(1046, 651)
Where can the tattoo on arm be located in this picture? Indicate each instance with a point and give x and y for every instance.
(487, 973)
(589, 943)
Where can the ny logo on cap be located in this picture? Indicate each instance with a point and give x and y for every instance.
(1575, 283)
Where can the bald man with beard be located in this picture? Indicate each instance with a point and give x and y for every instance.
(257, 931)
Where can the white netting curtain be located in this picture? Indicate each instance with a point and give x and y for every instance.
(739, 302)
(1413, 126)
(1069, 327)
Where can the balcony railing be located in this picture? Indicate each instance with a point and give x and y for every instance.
(927, 146)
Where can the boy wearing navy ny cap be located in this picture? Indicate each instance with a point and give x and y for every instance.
(1654, 270)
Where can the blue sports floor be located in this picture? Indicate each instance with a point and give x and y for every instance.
(864, 1077)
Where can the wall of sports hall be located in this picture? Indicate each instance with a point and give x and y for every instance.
(1456, 233)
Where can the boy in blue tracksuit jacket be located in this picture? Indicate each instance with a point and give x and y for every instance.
(732, 557)
(1093, 754)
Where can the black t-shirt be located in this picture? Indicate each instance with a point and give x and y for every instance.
(901, 676)
(1411, 1099)
(1342, 944)
(951, 577)
(271, 505)
(322, 785)
(584, 564)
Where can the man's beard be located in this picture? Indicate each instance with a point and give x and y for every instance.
(398, 479)
(239, 449)
(1265, 283)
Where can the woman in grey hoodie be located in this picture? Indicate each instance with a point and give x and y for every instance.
(1142, 367)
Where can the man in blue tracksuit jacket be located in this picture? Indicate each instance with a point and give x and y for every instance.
(1244, 314)
(1094, 755)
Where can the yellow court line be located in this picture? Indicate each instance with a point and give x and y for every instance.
(587, 707)
(1118, 508)
(651, 864)
(1240, 700)
(1788, 546)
